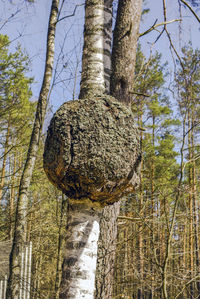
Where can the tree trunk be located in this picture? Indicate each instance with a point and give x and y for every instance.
(124, 51)
(78, 279)
(95, 77)
(59, 255)
(2, 178)
(22, 202)
(124, 48)
(194, 198)
(190, 198)
(12, 197)
(80, 253)
(95, 81)
(106, 251)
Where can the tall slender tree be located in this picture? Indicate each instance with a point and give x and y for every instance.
(21, 219)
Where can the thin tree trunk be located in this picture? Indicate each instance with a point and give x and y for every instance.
(191, 243)
(195, 213)
(22, 202)
(59, 254)
(12, 197)
(2, 178)
(171, 227)
(141, 213)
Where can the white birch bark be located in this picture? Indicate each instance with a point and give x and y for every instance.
(1, 288)
(80, 254)
(29, 270)
(5, 285)
(96, 63)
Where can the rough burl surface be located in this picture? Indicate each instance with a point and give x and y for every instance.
(92, 150)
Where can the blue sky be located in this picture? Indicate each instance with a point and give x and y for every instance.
(32, 20)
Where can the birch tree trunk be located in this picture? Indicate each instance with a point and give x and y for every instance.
(96, 63)
(77, 279)
(80, 256)
(22, 202)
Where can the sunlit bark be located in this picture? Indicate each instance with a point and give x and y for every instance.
(22, 202)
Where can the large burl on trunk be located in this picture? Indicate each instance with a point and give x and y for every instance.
(92, 150)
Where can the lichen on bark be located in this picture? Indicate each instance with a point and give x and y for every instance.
(92, 150)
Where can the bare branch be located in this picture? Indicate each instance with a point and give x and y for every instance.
(73, 14)
(153, 27)
(140, 94)
(191, 9)
(9, 18)
(188, 283)
(168, 35)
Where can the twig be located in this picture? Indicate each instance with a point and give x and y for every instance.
(129, 218)
(153, 27)
(8, 19)
(189, 282)
(192, 11)
(73, 14)
(191, 160)
(168, 35)
(140, 94)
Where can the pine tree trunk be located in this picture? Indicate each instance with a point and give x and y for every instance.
(195, 202)
(190, 198)
(22, 202)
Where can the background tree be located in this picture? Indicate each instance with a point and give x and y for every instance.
(21, 209)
